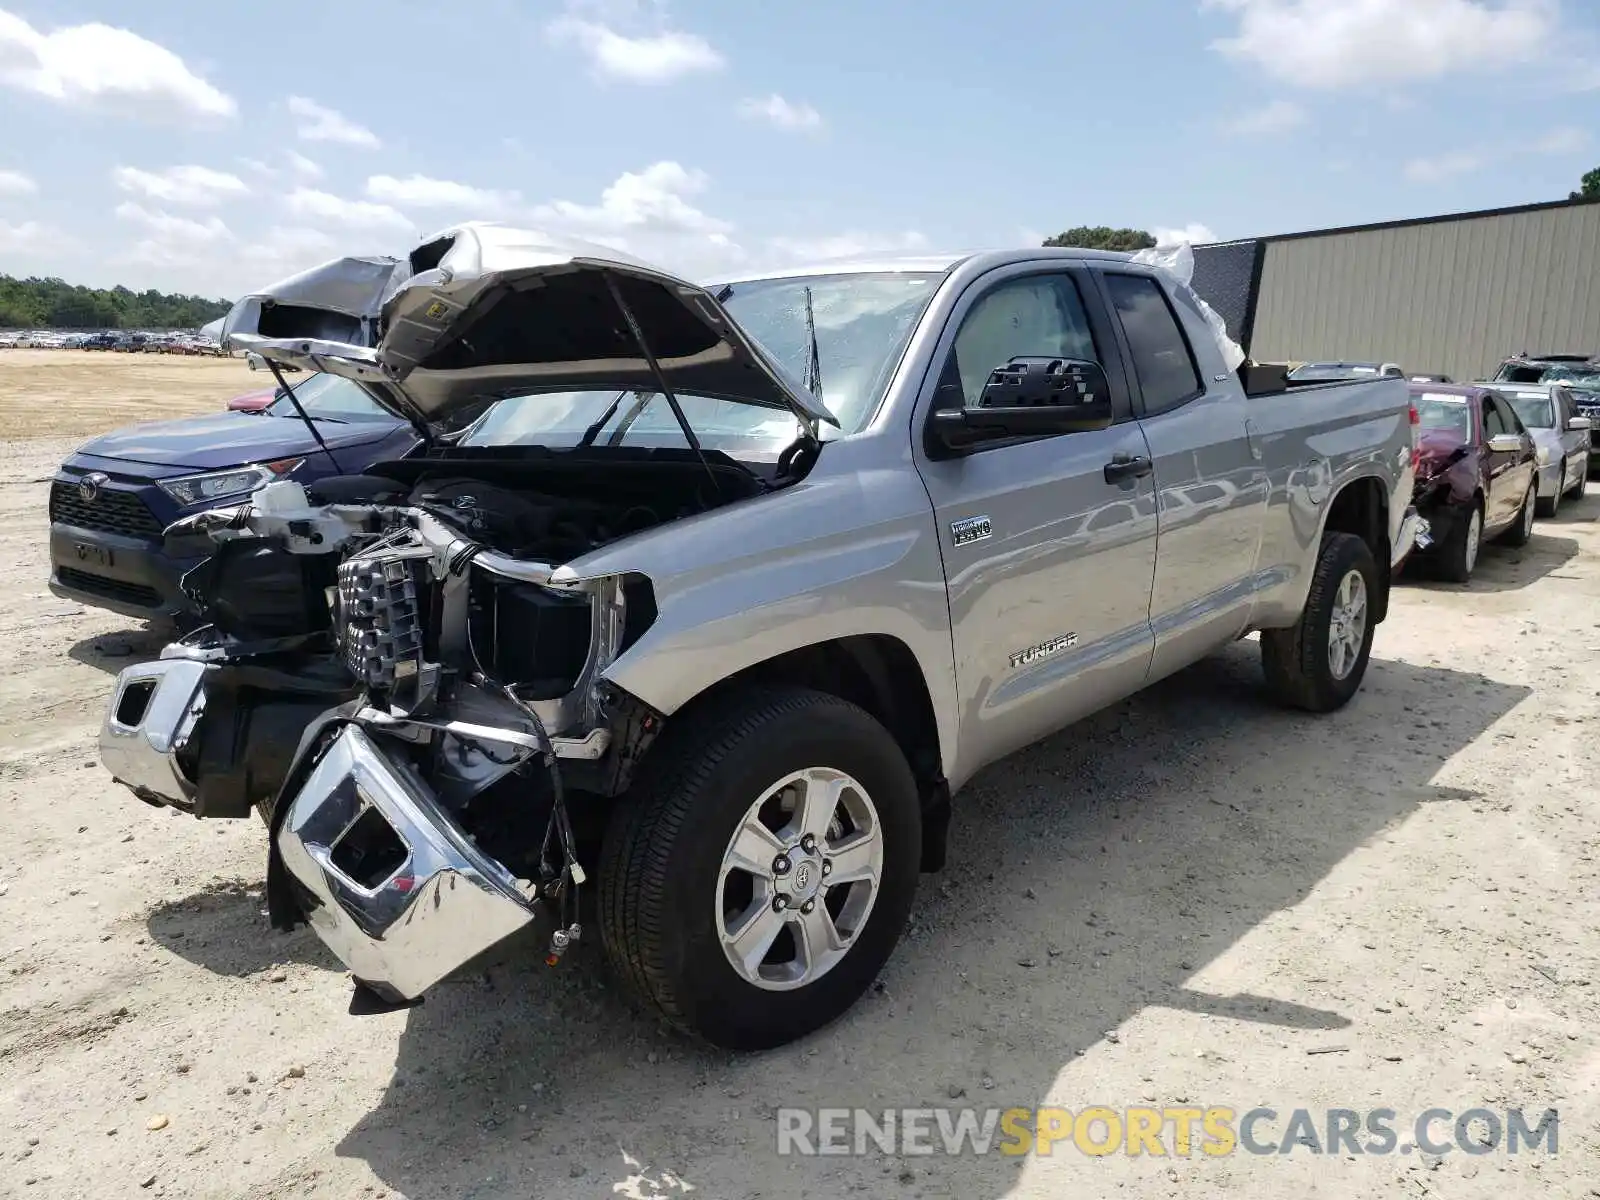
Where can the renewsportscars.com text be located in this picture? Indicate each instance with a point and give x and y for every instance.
(1177, 1131)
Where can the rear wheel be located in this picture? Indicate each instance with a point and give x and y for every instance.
(757, 878)
(1522, 528)
(1318, 664)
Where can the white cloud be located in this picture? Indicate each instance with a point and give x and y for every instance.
(197, 187)
(15, 183)
(420, 191)
(101, 66)
(1443, 166)
(1345, 43)
(1280, 116)
(26, 237)
(303, 166)
(256, 166)
(1568, 140)
(1194, 233)
(315, 206)
(650, 58)
(654, 200)
(782, 114)
(318, 123)
(171, 241)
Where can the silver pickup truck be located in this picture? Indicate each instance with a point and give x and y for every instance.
(723, 593)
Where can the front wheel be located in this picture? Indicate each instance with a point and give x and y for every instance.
(1318, 664)
(1552, 506)
(1580, 487)
(1522, 528)
(762, 869)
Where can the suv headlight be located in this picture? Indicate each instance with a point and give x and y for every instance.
(210, 486)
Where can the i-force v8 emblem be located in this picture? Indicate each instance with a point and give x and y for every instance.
(973, 529)
(1044, 650)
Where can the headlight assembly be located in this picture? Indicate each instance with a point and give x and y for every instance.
(211, 486)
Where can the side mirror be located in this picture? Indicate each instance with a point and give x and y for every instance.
(1579, 424)
(1029, 397)
(1506, 443)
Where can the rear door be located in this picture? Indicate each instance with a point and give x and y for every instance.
(1048, 562)
(1211, 484)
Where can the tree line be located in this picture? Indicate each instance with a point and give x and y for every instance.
(52, 304)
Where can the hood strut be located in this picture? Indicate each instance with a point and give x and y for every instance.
(311, 426)
(660, 378)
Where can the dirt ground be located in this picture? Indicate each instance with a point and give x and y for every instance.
(1194, 899)
(76, 393)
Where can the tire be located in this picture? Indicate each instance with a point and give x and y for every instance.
(1458, 554)
(1550, 507)
(663, 871)
(1522, 528)
(1298, 661)
(1581, 487)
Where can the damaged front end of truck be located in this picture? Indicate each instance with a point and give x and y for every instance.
(404, 673)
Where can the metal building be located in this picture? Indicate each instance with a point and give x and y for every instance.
(1452, 294)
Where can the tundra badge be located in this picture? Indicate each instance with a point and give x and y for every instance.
(972, 529)
(1044, 650)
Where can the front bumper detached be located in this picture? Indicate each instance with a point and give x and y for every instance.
(400, 893)
(387, 878)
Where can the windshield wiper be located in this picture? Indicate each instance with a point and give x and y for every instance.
(593, 431)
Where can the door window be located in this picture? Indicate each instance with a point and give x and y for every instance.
(1494, 421)
(1037, 316)
(1162, 359)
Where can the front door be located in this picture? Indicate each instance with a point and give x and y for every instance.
(1049, 564)
(1509, 476)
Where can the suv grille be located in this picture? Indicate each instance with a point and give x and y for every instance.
(111, 511)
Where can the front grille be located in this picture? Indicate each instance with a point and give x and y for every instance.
(111, 589)
(110, 511)
(380, 620)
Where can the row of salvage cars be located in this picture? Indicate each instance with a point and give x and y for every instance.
(1493, 455)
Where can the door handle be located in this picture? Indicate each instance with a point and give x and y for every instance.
(1127, 466)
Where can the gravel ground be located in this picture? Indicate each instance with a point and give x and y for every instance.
(1191, 899)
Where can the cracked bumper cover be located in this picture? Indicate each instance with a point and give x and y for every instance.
(388, 880)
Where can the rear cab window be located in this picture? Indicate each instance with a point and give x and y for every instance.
(1163, 361)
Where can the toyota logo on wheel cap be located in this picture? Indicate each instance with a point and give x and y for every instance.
(89, 486)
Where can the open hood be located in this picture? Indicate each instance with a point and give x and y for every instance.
(482, 311)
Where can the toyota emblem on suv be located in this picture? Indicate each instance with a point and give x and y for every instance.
(89, 486)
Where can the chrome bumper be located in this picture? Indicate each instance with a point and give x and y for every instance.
(400, 893)
(153, 711)
(1415, 534)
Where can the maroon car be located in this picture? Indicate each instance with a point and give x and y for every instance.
(252, 401)
(1475, 474)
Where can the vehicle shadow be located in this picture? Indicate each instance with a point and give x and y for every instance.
(1504, 568)
(222, 929)
(110, 652)
(1090, 877)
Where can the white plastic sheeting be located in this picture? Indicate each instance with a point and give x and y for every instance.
(1178, 261)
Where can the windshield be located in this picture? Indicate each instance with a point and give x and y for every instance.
(1586, 373)
(1536, 411)
(862, 321)
(328, 398)
(1445, 414)
(634, 419)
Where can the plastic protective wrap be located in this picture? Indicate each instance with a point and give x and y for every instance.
(1178, 261)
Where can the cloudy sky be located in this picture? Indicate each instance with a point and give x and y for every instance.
(212, 147)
